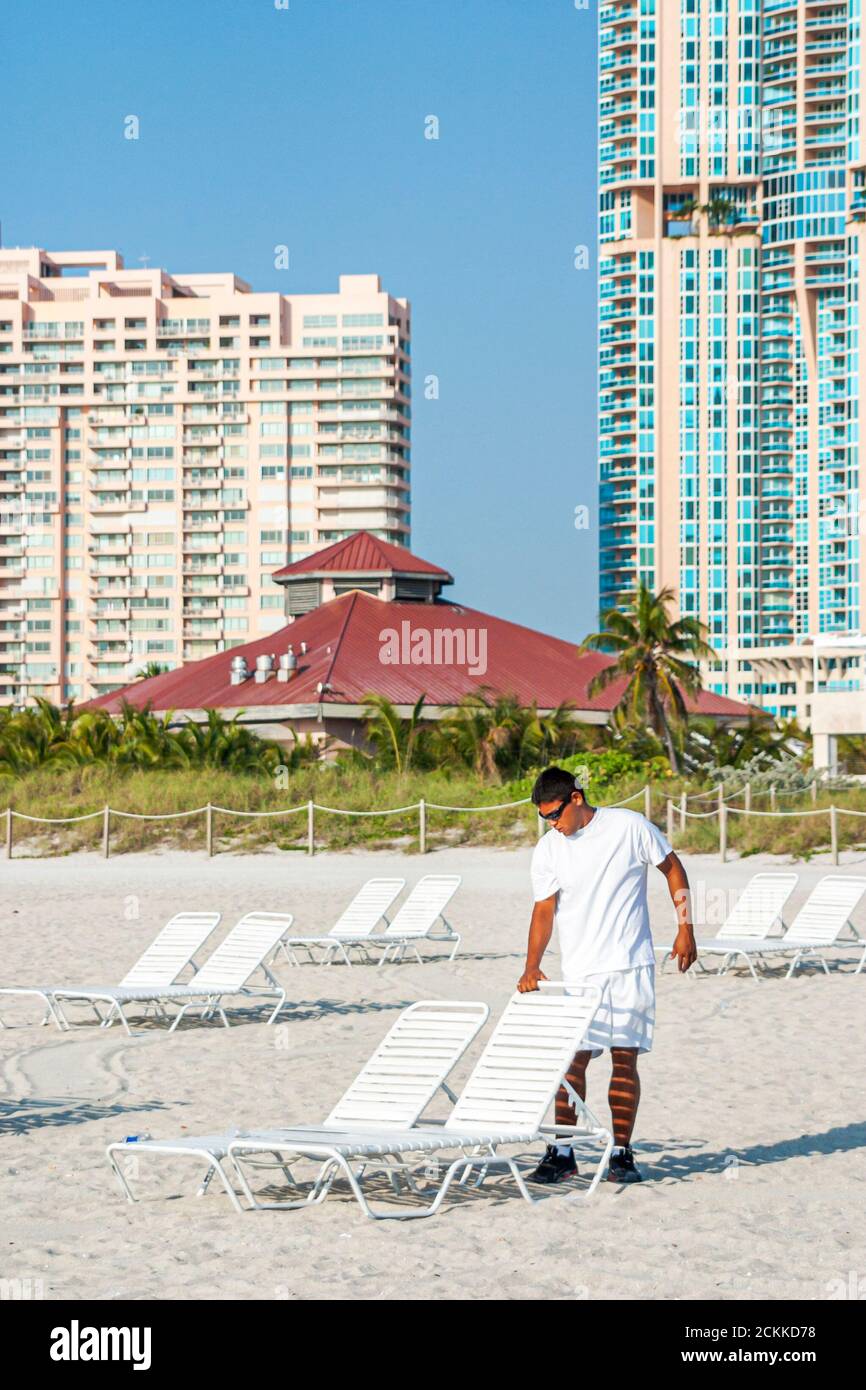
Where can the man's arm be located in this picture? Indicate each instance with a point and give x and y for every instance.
(684, 947)
(540, 930)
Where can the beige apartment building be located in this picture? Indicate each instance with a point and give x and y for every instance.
(732, 179)
(166, 443)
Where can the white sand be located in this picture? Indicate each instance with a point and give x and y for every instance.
(751, 1130)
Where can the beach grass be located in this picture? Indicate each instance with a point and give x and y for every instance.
(58, 794)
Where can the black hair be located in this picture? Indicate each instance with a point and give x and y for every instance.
(554, 784)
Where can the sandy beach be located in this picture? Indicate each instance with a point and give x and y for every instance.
(751, 1130)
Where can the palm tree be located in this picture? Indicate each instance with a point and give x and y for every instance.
(152, 668)
(220, 742)
(136, 738)
(396, 740)
(735, 746)
(656, 658)
(481, 733)
(718, 210)
(685, 211)
(146, 740)
(31, 737)
(559, 732)
(498, 736)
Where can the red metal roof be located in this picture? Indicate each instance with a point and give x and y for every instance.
(345, 643)
(362, 553)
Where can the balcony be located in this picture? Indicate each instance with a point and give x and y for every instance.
(110, 567)
(119, 440)
(192, 482)
(212, 585)
(213, 566)
(116, 550)
(117, 610)
(201, 608)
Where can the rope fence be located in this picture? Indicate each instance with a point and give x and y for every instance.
(720, 811)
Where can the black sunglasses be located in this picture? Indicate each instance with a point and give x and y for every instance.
(554, 815)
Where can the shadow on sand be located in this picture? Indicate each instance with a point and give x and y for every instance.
(25, 1116)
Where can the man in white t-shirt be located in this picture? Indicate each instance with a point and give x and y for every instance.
(589, 880)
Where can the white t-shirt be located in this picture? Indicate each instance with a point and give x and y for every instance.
(599, 876)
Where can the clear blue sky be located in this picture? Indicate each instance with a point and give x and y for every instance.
(305, 126)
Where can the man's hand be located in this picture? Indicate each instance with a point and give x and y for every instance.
(540, 929)
(684, 949)
(529, 979)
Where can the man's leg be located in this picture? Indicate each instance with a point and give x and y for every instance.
(576, 1078)
(624, 1097)
(558, 1162)
(624, 1093)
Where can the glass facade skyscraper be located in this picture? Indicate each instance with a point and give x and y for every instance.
(732, 191)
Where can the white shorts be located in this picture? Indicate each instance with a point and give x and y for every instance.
(627, 1012)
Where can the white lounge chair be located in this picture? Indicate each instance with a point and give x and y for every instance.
(417, 919)
(367, 909)
(504, 1102)
(239, 957)
(394, 1088)
(817, 926)
(753, 918)
(164, 961)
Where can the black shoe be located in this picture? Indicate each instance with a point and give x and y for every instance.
(622, 1168)
(555, 1167)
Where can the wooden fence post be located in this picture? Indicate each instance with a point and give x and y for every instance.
(723, 833)
(834, 836)
(648, 801)
(814, 791)
(311, 828)
(209, 829)
(670, 817)
(9, 832)
(106, 830)
(773, 796)
(422, 826)
(721, 796)
(684, 801)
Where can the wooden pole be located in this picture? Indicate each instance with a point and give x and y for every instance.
(684, 801)
(814, 791)
(422, 826)
(834, 836)
(670, 817)
(773, 797)
(723, 833)
(106, 830)
(209, 829)
(311, 828)
(648, 801)
(9, 832)
(748, 798)
(721, 796)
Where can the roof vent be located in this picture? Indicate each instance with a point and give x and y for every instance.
(288, 665)
(264, 668)
(239, 672)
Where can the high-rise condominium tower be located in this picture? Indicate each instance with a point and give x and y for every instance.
(732, 198)
(166, 443)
